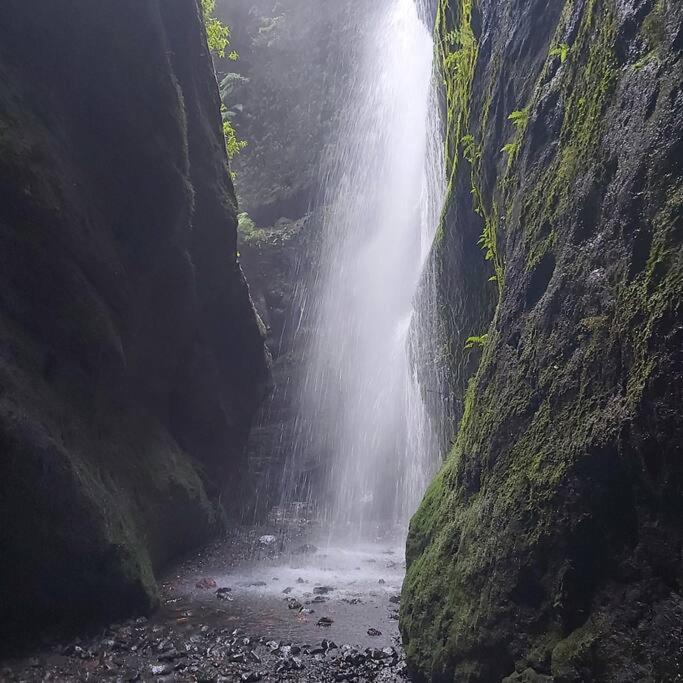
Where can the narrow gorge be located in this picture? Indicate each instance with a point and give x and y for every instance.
(341, 341)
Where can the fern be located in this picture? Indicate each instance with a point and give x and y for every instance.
(233, 145)
(477, 342)
(510, 149)
(487, 243)
(469, 149)
(519, 118)
(218, 41)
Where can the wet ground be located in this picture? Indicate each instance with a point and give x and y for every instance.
(259, 605)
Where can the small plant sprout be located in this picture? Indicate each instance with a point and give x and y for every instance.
(561, 51)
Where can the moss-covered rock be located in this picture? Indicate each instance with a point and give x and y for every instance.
(131, 361)
(550, 543)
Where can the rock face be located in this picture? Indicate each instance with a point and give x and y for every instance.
(276, 261)
(295, 62)
(131, 361)
(549, 546)
(284, 91)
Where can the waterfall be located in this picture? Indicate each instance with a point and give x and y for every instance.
(367, 445)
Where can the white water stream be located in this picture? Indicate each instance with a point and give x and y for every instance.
(371, 305)
(369, 436)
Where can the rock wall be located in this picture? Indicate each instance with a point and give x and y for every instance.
(296, 61)
(131, 361)
(276, 260)
(549, 546)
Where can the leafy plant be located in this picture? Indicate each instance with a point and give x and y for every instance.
(233, 145)
(519, 118)
(477, 342)
(470, 151)
(247, 231)
(487, 242)
(229, 82)
(218, 40)
(246, 225)
(458, 50)
(510, 149)
(561, 51)
(217, 33)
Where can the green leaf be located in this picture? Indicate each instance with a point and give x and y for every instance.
(519, 117)
(510, 148)
(477, 342)
(561, 51)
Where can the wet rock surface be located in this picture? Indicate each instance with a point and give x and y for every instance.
(131, 360)
(231, 633)
(550, 543)
(143, 650)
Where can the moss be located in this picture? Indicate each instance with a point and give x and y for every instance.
(536, 488)
(653, 27)
(258, 238)
(457, 51)
(247, 230)
(586, 91)
(579, 646)
(653, 298)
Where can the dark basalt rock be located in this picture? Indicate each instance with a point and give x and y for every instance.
(276, 260)
(131, 361)
(323, 590)
(549, 547)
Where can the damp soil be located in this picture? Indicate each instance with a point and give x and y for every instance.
(258, 605)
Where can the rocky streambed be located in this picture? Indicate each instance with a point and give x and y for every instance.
(258, 605)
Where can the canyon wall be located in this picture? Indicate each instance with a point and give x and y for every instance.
(296, 62)
(549, 546)
(131, 358)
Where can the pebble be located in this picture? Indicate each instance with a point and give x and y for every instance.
(250, 677)
(322, 590)
(185, 642)
(161, 669)
(224, 593)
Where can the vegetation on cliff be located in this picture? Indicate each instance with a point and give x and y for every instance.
(549, 547)
(218, 40)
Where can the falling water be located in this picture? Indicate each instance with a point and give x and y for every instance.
(364, 416)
